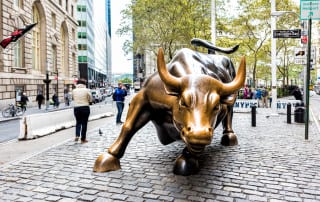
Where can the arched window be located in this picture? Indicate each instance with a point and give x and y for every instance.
(36, 40)
(18, 48)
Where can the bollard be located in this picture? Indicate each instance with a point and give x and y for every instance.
(289, 113)
(253, 115)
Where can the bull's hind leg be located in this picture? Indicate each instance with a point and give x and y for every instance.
(229, 138)
(186, 164)
(136, 119)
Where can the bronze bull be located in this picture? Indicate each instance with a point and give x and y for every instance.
(185, 101)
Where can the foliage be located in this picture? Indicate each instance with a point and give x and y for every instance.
(169, 24)
(126, 80)
(172, 24)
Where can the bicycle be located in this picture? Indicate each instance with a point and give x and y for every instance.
(12, 111)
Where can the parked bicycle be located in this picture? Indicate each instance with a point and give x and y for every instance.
(12, 111)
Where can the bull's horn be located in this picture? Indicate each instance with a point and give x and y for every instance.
(238, 81)
(172, 84)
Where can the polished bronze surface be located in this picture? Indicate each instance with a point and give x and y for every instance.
(185, 100)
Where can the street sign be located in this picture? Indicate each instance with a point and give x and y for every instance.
(309, 9)
(301, 56)
(294, 33)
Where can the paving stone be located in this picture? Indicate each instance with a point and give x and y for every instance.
(267, 165)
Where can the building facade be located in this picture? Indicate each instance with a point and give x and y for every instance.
(94, 42)
(49, 49)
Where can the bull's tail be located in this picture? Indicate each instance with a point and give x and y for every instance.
(211, 48)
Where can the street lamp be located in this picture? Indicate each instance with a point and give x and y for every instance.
(275, 14)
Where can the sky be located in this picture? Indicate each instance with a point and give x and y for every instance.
(121, 63)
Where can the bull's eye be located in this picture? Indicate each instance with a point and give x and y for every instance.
(183, 103)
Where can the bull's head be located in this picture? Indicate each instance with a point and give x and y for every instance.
(198, 102)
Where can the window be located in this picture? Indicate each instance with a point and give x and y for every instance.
(81, 8)
(36, 40)
(64, 56)
(73, 34)
(82, 35)
(82, 59)
(67, 5)
(82, 47)
(60, 2)
(54, 20)
(72, 11)
(18, 3)
(82, 23)
(54, 58)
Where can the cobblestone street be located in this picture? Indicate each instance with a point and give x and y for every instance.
(273, 162)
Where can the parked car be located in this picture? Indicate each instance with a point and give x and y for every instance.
(96, 96)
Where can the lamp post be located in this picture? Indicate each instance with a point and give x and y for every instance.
(275, 14)
(47, 82)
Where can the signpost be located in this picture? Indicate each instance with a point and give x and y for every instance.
(309, 10)
(300, 55)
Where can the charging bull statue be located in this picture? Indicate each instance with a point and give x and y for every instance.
(185, 100)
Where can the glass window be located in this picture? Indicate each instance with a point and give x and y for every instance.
(82, 59)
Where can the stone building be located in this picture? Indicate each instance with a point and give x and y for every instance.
(49, 49)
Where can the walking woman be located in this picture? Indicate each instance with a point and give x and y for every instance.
(82, 99)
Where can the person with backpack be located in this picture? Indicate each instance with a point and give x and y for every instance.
(119, 96)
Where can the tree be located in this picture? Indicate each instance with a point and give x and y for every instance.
(169, 24)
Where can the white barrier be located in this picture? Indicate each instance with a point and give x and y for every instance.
(38, 125)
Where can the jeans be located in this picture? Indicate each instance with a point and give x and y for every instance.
(82, 116)
(120, 106)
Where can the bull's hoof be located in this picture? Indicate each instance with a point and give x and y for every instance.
(229, 139)
(106, 162)
(186, 164)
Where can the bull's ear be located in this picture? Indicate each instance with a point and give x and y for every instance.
(228, 100)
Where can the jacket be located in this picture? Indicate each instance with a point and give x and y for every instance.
(81, 96)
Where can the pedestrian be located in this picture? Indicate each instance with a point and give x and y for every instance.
(66, 99)
(119, 96)
(55, 100)
(82, 98)
(265, 95)
(258, 96)
(39, 99)
(246, 92)
(24, 100)
(297, 93)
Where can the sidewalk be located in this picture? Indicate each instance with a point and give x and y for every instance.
(273, 162)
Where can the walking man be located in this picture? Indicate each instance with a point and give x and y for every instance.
(119, 95)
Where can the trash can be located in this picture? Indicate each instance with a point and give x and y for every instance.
(299, 114)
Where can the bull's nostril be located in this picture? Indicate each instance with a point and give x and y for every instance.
(210, 130)
(189, 129)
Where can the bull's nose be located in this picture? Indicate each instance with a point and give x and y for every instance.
(197, 136)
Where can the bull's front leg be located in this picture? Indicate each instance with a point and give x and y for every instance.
(229, 138)
(136, 119)
(186, 164)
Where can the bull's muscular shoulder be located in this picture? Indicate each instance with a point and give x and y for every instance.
(187, 61)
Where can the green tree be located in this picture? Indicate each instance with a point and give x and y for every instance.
(169, 24)
(126, 80)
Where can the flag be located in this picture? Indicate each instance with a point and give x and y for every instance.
(17, 34)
